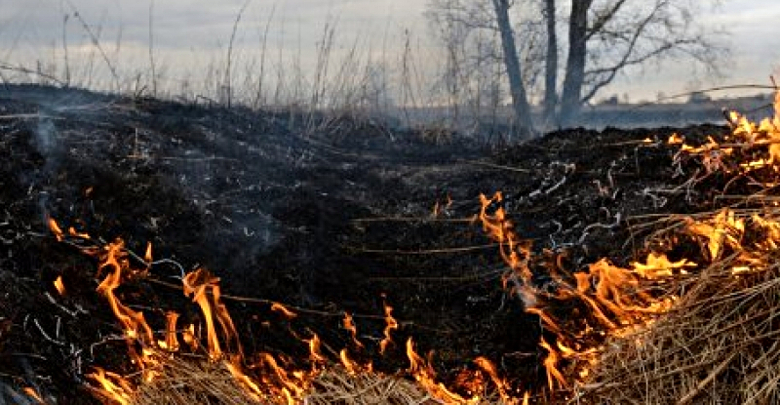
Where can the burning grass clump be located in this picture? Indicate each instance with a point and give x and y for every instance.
(188, 381)
(336, 386)
(191, 381)
(718, 346)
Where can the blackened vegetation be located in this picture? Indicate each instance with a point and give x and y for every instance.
(322, 215)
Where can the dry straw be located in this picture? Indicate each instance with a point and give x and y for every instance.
(197, 381)
(192, 381)
(719, 345)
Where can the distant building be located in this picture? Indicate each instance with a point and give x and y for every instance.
(698, 97)
(612, 100)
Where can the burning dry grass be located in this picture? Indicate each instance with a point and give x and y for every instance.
(192, 381)
(199, 381)
(335, 386)
(717, 346)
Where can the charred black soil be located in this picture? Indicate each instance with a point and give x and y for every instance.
(325, 216)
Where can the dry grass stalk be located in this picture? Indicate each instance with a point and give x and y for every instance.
(718, 346)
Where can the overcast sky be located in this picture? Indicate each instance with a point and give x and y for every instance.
(189, 34)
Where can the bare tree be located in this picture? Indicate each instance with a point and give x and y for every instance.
(575, 65)
(551, 63)
(630, 34)
(471, 27)
(522, 110)
(605, 38)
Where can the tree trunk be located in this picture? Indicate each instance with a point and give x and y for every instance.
(575, 66)
(522, 110)
(551, 64)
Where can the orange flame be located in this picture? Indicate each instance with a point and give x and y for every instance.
(114, 261)
(113, 386)
(73, 232)
(501, 385)
(55, 229)
(659, 266)
(391, 325)
(171, 342)
(351, 366)
(349, 325)
(292, 385)
(277, 307)
(616, 297)
(148, 254)
(500, 229)
(551, 367)
(722, 232)
(59, 285)
(249, 385)
(314, 350)
(188, 335)
(198, 284)
(425, 375)
(33, 393)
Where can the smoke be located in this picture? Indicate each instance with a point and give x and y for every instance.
(45, 139)
(45, 142)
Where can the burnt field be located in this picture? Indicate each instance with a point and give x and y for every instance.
(305, 219)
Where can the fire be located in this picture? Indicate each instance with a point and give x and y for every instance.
(349, 325)
(315, 354)
(205, 291)
(501, 385)
(616, 298)
(115, 263)
(499, 229)
(277, 307)
(171, 342)
(610, 299)
(74, 233)
(55, 229)
(189, 337)
(250, 386)
(33, 394)
(288, 385)
(619, 299)
(59, 285)
(270, 378)
(726, 231)
(148, 254)
(554, 376)
(391, 325)
(352, 367)
(425, 375)
(113, 386)
(658, 266)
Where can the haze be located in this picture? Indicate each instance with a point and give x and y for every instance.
(191, 36)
